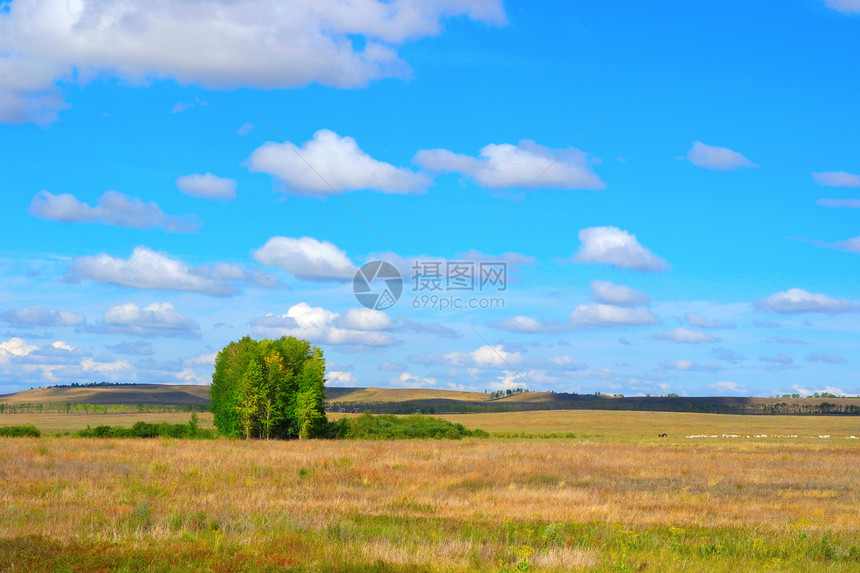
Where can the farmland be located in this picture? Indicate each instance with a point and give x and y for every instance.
(613, 498)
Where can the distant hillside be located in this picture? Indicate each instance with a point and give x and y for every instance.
(148, 394)
(410, 400)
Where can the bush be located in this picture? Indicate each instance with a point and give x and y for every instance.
(29, 431)
(390, 427)
(147, 430)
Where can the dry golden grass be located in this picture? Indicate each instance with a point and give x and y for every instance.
(53, 423)
(143, 492)
(615, 500)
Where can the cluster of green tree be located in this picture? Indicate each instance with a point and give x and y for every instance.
(70, 408)
(28, 431)
(269, 389)
(508, 392)
(91, 384)
(146, 430)
(815, 395)
(822, 408)
(389, 427)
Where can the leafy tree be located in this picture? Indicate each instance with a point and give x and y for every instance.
(269, 389)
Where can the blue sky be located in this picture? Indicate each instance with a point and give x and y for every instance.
(674, 191)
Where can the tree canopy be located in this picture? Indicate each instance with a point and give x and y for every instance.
(269, 389)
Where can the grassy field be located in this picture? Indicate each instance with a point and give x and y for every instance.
(614, 498)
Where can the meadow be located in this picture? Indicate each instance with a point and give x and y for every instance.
(615, 497)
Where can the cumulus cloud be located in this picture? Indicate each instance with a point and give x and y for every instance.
(156, 319)
(330, 164)
(717, 158)
(702, 322)
(38, 315)
(407, 380)
(306, 258)
(15, 347)
(340, 377)
(728, 386)
(363, 327)
(795, 301)
(619, 295)
(526, 164)
(824, 357)
(207, 186)
(686, 336)
(836, 179)
(218, 45)
(112, 208)
(483, 357)
(597, 315)
(149, 270)
(613, 246)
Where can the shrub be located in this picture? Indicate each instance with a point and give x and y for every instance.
(28, 431)
(390, 427)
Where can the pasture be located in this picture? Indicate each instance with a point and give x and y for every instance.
(614, 498)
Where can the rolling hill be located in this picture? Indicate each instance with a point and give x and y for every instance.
(410, 400)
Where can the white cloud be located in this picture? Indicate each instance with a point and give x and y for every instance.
(686, 336)
(717, 158)
(699, 321)
(179, 107)
(839, 203)
(156, 319)
(322, 326)
(483, 357)
(188, 376)
(836, 179)
(728, 386)
(147, 269)
(330, 164)
(306, 258)
(15, 347)
(207, 186)
(339, 377)
(364, 319)
(794, 301)
(112, 208)
(218, 45)
(613, 246)
(805, 392)
(108, 368)
(206, 359)
(844, 6)
(596, 315)
(38, 315)
(407, 380)
(245, 129)
(618, 295)
(526, 164)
